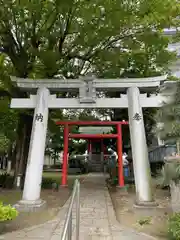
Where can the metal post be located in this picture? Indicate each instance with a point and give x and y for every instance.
(65, 156)
(69, 234)
(77, 210)
(119, 152)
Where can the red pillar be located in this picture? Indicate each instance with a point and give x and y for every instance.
(65, 155)
(90, 149)
(102, 145)
(119, 152)
(90, 146)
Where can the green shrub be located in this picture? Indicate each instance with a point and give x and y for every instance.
(7, 212)
(56, 166)
(6, 180)
(145, 221)
(171, 172)
(47, 183)
(3, 177)
(174, 227)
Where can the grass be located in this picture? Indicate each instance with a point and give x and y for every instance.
(55, 200)
(57, 176)
(10, 196)
(149, 221)
(13, 196)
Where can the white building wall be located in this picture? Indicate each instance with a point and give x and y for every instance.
(48, 160)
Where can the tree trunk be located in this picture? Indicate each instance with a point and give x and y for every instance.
(29, 120)
(5, 162)
(178, 147)
(10, 154)
(22, 146)
(13, 163)
(19, 146)
(175, 196)
(21, 159)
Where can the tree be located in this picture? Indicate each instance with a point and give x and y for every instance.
(169, 114)
(169, 129)
(8, 117)
(69, 38)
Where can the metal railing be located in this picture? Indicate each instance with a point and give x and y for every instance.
(68, 226)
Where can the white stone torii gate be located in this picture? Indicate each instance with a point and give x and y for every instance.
(43, 100)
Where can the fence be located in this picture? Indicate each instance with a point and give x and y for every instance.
(157, 154)
(68, 226)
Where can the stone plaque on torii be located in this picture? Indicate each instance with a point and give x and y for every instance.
(87, 91)
(44, 100)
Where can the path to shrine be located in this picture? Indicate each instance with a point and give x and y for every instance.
(97, 222)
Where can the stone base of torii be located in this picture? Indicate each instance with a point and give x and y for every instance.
(43, 100)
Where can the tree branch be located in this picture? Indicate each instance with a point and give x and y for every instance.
(107, 43)
(66, 31)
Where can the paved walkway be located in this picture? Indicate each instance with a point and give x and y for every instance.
(98, 221)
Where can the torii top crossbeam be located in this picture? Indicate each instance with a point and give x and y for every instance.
(61, 85)
(87, 89)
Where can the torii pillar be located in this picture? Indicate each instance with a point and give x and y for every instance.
(141, 164)
(32, 186)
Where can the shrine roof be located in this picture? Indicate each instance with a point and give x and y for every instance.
(95, 129)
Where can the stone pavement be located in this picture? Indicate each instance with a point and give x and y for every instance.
(98, 221)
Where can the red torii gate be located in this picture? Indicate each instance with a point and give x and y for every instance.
(68, 135)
